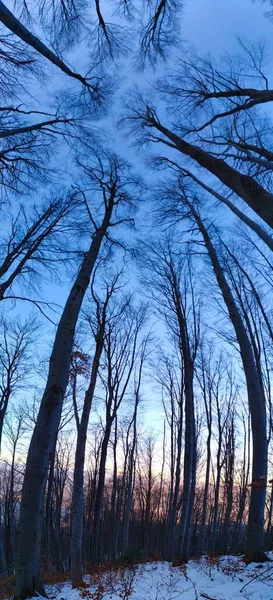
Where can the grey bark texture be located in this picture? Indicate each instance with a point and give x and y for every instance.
(255, 531)
(28, 580)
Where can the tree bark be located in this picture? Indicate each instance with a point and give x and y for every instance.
(129, 498)
(255, 532)
(189, 464)
(177, 479)
(16, 27)
(260, 231)
(28, 580)
(244, 186)
(147, 510)
(3, 562)
(78, 478)
(190, 435)
(207, 394)
(95, 552)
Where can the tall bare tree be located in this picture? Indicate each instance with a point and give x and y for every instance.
(121, 345)
(220, 133)
(255, 537)
(172, 284)
(17, 338)
(108, 178)
(99, 332)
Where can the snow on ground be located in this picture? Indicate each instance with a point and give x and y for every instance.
(222, 579)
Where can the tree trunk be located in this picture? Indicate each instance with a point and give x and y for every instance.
(168, 542)
(255, 532)
(219, 465)
(206, 387)
(173, 508)
(147, 521)
(190, 435)
(260, 231)
(3, 562)
(78, 479)
(243, 185)
(16, 27)
(28, 581)
(189, 465)
(269, 523)
(12, 511)
(113, 513)
(129, 499)
(48, 512)
(159, 544)
(2, 414)
(229, 478)
(243, 494)
(95, 552)
(205, 496)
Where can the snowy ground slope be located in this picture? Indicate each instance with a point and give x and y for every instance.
(160, 581)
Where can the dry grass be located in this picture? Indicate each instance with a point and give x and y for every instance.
(113, 570)
(7, 586)
(7, 583)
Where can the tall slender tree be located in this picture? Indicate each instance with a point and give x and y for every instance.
(255, 536)
(121, 345)
(99, 331)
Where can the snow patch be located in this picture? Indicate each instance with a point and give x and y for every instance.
(226, 578)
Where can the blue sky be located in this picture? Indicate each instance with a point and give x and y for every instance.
(211, 26)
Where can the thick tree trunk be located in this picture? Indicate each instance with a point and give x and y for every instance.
(77, 510)
(243, 185)
(28, 581)
(255, 532)
(16, 27)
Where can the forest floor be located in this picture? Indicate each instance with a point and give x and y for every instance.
(225, 578)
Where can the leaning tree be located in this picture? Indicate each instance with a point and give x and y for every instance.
(113, 185)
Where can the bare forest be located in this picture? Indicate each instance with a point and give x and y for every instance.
(136, 290)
